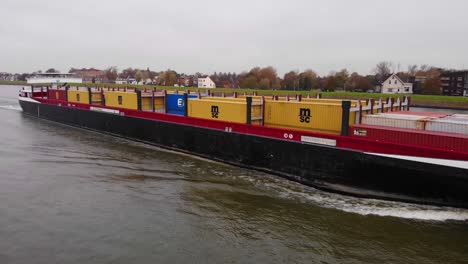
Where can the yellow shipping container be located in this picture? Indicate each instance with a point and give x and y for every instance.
(78, 96)
(256, 111)
(316, 117)
(96, 98)
(218, 110)
(146, 104)
(158, 104)
(126, 100)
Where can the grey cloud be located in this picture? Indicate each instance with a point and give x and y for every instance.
(208, 35)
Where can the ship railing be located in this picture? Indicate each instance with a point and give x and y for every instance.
(38, 92)
(372, 106)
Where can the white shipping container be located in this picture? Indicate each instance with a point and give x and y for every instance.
(399, 121)
(460, 116)
(405, 116)
(448, 126)
(455, 119)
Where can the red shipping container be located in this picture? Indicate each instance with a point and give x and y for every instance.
(55, 94)
(439, 140)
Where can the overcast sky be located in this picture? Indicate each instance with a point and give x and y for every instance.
(232, 36)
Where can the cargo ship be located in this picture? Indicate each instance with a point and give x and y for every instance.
(365, 148)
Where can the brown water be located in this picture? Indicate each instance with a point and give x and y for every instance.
(72, 196)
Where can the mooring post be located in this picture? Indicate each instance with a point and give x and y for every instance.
(103, 97)
(152, 101)
(90, 96)
(249, 110)
(360, 112)
(185, 104)
(346, 106)
(165, 101)
(138, 92)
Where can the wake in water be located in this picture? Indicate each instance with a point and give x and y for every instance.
(9, 104)
(14, 107)
(291, 190)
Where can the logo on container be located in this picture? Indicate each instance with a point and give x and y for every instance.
(304, 115)
(360, 132)
(180, 102)
(214, 111)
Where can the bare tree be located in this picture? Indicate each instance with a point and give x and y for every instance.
(290, 80)
(138, 76)
(341, 78)
(425, 67)
(307, 80)
(52, 70)
(111, 73)
(382, 70)
(412, 69)
(168, 78)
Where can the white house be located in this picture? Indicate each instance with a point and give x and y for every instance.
(121, 81)
(394, 85)
(206, 82)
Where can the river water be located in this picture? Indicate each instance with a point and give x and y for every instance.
(69, 195)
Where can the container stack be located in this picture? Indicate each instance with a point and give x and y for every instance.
(451, 124)
(396, 120)
(433, 130)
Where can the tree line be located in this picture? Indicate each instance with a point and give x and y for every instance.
(267, 78)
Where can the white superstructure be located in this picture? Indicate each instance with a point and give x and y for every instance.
(54, 78)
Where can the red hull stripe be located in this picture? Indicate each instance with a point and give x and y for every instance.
(346, 142)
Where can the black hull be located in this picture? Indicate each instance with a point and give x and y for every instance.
(327, 168)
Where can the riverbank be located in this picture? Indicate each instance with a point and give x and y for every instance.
(3, 82)
(417, 100)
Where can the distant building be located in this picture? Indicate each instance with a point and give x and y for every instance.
(90, 75)
(182, 81)
(121, 81)
(156, 80)
(206, 82)
(227, 84)
(418, 83)
(394, 85)
(454, 83)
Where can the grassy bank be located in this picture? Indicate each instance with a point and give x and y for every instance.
(12, 82)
